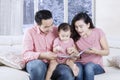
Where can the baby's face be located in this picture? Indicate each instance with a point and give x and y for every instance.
(64, 35)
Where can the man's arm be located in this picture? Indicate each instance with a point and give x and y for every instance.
(28, 48)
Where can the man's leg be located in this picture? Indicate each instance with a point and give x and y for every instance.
(91, 69)
(37, 69)
(63, 72)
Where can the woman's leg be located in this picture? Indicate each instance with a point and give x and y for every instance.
(37, 69)
(51, 68)
(91, 69)
(80, 74)
(62, 72)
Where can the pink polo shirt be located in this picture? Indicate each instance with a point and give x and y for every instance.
(91, 41)
(35, 42)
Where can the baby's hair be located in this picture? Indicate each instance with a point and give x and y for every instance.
(64, 27)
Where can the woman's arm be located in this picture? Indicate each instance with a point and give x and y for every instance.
(104, 48)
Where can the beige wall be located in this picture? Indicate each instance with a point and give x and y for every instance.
(108, 16)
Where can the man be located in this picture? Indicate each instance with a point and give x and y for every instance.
(38, 42)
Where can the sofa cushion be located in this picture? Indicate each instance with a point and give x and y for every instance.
(115, 61)
(5, 49)
(17, 40)
(8, 73)
(5, 40)
(112, 73)
(11, 40)
(113, 52)
(13, 60)
(17, 49)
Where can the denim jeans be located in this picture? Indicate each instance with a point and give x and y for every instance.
(37, 70)
(80, 75)
(62, 72)
(88, 71)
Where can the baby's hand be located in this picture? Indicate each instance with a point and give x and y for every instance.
(71, 51)
(57, 49)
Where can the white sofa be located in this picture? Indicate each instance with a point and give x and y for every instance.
(13, 44)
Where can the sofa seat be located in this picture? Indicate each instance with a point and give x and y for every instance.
(7, 73)
(112, 73)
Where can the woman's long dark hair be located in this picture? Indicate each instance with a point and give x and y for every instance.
(85, 18)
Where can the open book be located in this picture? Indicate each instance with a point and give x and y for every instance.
(67, 56)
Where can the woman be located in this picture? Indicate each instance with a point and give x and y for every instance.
(86, 36)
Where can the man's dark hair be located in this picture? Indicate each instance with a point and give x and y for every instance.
(42, 15)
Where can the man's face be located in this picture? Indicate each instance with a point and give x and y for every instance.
(46, 25)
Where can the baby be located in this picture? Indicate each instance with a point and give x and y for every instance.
(60, 47)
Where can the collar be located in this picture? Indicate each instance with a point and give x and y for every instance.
(40, 32)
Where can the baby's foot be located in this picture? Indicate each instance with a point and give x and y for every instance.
(75, 70)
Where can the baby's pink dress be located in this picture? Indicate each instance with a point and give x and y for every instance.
(64, 46)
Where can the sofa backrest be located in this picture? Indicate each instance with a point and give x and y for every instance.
(11, 44)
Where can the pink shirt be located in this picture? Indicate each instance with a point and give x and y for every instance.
(64, 46)
(36, 42)
(91, 41)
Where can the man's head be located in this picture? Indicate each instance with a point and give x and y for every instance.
(44, 20)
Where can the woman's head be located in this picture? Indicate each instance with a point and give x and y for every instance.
(81, 24)
(64, 31)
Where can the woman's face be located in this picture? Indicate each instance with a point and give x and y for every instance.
(81, 27)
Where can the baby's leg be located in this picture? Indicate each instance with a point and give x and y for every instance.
(51, 68)
(73, 66)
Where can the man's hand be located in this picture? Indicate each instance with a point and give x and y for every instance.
(48, 55)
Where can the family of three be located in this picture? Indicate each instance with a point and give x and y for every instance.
(45, 44)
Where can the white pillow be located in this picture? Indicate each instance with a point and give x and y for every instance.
(13, 60)
(114, 61)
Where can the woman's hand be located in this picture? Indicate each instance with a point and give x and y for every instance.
(92, 51)
(97, 51)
